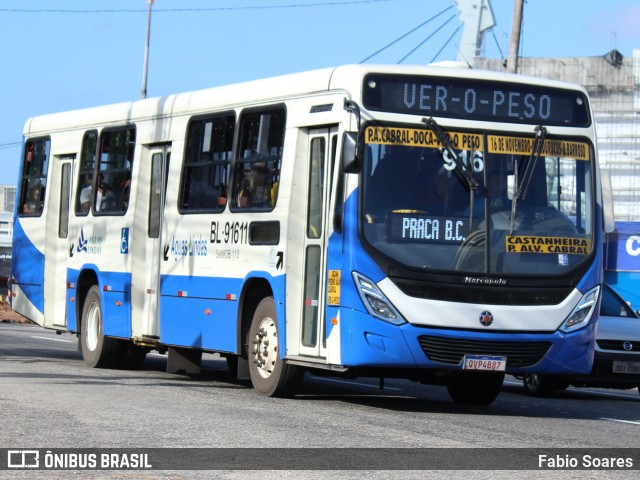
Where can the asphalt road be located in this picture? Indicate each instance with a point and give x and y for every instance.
(49, 399)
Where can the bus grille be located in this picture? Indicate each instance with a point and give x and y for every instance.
(516, 296)
(451, 351)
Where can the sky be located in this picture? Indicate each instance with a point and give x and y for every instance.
(59, 55)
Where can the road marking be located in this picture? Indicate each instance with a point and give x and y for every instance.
(619, 421)
(600, 392)
(53, 339)
(349, 382)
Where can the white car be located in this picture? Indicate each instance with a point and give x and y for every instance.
(616, 363)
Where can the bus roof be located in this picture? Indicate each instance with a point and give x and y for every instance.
(343, 78)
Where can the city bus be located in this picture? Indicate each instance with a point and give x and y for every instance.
(432, 223)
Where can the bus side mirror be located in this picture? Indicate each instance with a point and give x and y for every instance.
(350, 161)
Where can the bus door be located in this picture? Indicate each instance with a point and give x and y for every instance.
(56, 249)
(317, 224)
(145, 242)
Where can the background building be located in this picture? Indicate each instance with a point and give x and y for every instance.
(7, 202)
(613, 83)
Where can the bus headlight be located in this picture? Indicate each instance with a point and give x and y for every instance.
(375, 301)
(582, 313)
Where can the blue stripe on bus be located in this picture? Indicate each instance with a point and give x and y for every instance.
(202, 316)
(366, 341)
(27, 266)
(115, 302)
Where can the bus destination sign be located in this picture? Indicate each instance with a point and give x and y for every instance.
(475, 99)
(413, 227)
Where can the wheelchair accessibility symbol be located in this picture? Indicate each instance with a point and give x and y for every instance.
(124, 241)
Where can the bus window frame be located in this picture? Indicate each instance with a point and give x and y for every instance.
(27, 178)
(83, 173)
(128, 172)
(216, 207)
(237, 181)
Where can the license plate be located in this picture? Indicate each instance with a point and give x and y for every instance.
(484, 362)
(626, 367)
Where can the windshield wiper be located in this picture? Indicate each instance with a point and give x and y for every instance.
(521, 187)
(460, 168)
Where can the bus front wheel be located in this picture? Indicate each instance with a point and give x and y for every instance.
(270, 375)
(475, 388)
(98, 351)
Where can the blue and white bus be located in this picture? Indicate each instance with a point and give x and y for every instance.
(431, 223)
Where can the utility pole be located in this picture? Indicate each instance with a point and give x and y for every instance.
(514, 41)
(146, 51)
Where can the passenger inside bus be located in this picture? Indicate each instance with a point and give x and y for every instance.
(496, 190)
(126, 192)
(85, 194)
(34, 200)
(101, 197)
(256, 191)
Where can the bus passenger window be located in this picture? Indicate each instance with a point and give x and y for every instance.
(84, 187)
(34, 177)
(205, 173)
(113, 180)
(257, 167)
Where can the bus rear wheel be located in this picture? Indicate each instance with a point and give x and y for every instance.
(475, 388)
(98, 351)
(270, 375)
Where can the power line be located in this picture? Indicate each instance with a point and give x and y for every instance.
(406, 34)
(6, 146)
(445, 44)
(497, 44)
(211, 9)
(426, 39)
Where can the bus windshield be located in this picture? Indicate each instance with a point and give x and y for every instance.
(495, 204)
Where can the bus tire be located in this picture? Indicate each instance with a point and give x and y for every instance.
(477, 388)
(98, 351)
(270, 375)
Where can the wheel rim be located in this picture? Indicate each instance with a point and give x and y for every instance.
(92, 334)
(532, 381)
(266, 347)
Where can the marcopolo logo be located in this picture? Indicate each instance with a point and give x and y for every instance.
(486, 318)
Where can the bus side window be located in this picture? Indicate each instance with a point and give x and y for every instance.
(257, 166)
(113, 178)
(84, 187)
(205, 172)
(34, 177)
